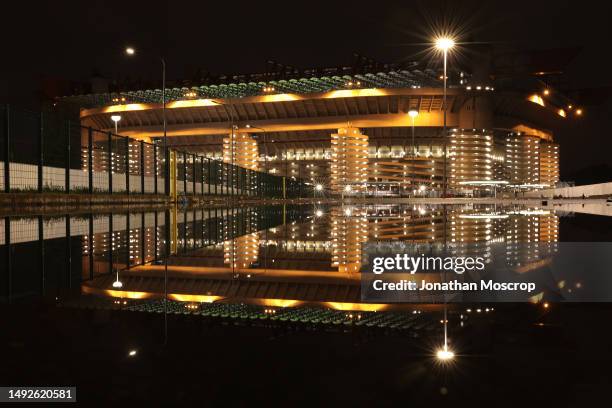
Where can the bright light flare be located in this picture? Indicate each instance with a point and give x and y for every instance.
(445, 354)
(319, 187)
(444, 43)
(115, 118)
(130, 51)
(319, 213)
(413, 113)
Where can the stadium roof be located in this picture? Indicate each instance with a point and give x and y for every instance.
(404, 78)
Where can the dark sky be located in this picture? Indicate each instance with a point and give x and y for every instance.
(68, 39)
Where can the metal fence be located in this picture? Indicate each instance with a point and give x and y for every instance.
(42, 152)
(45, 255)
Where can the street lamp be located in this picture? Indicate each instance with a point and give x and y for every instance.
(117, 283)
(444, 354)
(413, 114)
(116, 119)
(130, 51)
(444, 44)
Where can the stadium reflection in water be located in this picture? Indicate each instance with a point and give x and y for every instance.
(257, 261)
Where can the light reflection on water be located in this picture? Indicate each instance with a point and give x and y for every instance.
(275, 256)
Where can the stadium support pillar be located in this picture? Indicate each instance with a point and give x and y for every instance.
(349, 165)
(240, 149)
(348, 233)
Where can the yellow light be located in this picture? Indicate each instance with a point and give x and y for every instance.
(361, 307)
(561, 112)
(413, 113)
(546, 305)
(130, 51)
(546, 92)
(445, 354)
(445, 43)
(578, 112)
(535, 98)
(182, 297)
(121, 293)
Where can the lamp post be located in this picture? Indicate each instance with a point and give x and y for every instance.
(130, 52)
(444, 44)
(116, 119)
(117, 284)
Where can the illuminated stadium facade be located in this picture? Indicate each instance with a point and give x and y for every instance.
(378, 132)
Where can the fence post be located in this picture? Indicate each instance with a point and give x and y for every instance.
(68, 158)
(90, 159)
(40, 153)
(68, 251)
(184, 173)
(141, 242)
(208, 174)
(91, 247)
(127, 165)
(155, 235)
(222, 166)
(142, 168)
(202, 177)
(166, 170)
(110, 163)
(9, 251)
(128, 240)
(193, 172)
(110, 237)
(228, 179)
(41, 248)
(7, 154)
(155, 173)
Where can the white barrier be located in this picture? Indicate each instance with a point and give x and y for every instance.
(589, 190)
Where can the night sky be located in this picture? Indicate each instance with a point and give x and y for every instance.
(69, 40)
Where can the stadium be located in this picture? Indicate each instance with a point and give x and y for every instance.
(373, 129)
